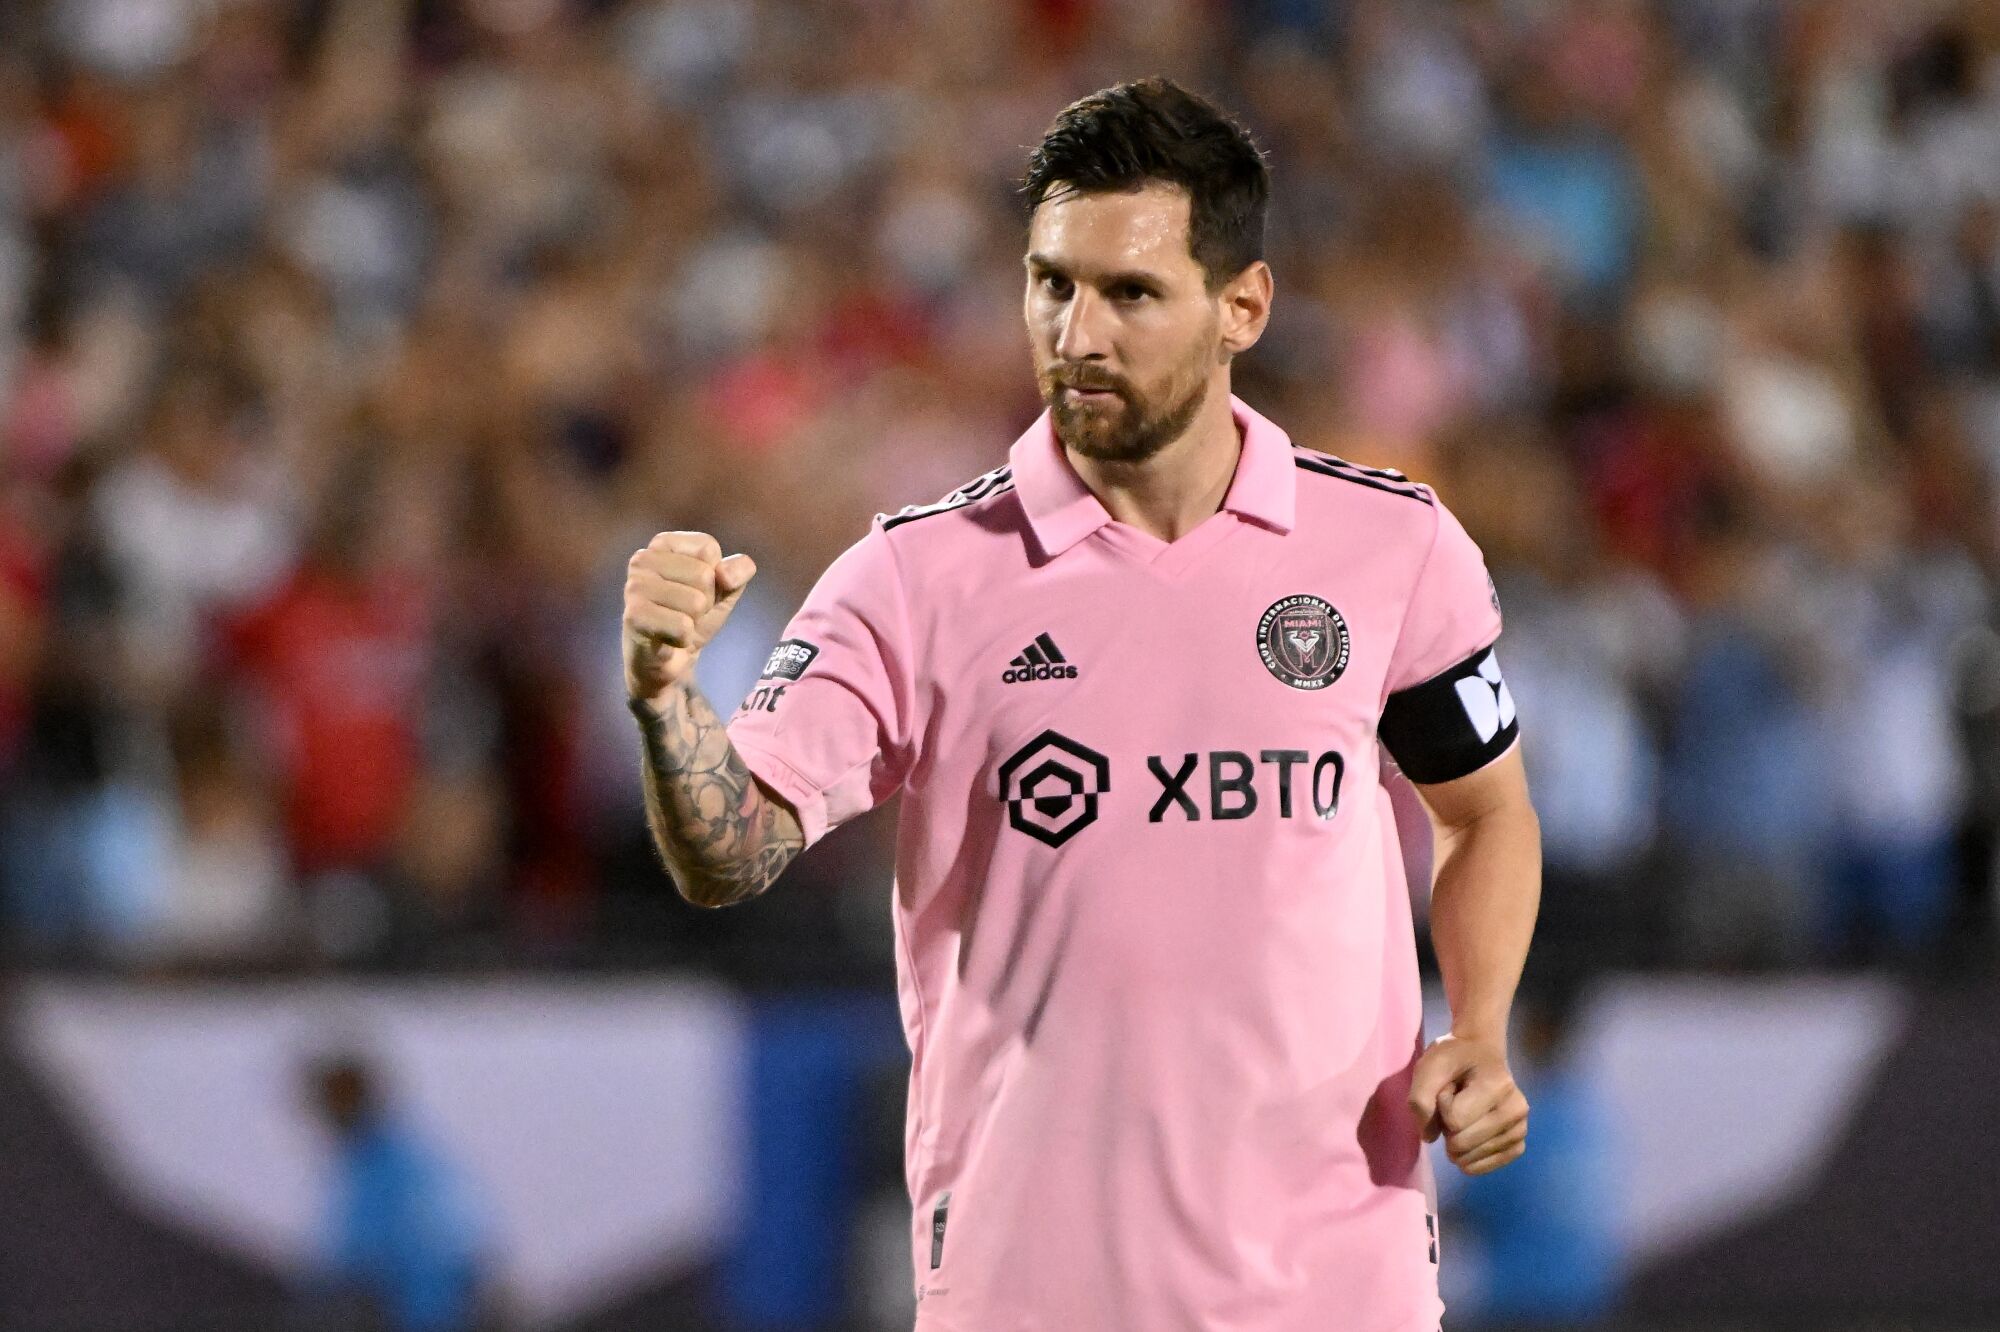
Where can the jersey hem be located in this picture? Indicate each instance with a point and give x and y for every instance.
(808, 801)
(1430, 1320)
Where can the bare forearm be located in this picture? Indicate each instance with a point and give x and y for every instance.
(1483, 905)
(722, 838)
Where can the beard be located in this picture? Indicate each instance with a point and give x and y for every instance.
(1129, 427)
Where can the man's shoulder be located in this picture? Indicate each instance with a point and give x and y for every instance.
(920, 543)
(979, 493)
(1329, 478)
(1380, 500)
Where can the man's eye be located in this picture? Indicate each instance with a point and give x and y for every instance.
(1055, 284)
(1132, 291)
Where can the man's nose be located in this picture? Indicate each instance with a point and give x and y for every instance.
(1082, 336)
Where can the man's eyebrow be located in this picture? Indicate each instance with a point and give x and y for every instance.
(1040, 263)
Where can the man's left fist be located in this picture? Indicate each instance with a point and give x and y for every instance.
(1463, 1090)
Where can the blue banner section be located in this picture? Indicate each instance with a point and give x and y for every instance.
(810, 1059)
(1786, 1151)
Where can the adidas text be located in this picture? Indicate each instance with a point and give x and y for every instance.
(1028, 674)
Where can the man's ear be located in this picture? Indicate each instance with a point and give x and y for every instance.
(1246, 307)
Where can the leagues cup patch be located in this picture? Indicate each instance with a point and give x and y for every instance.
(1303, 641)
(789, 660)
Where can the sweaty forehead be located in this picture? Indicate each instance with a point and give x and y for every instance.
(1142, 228)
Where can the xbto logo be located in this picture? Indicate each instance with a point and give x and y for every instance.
(1051, 785)
(1232, 783)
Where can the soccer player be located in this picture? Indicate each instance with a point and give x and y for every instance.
(1155, 957)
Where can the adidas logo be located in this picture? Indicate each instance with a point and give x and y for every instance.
(1042, 660)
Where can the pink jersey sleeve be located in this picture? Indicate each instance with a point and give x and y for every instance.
(829, 724)
(1453, 611)
(1448, 711)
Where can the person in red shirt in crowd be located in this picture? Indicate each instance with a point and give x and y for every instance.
(23, 599)
(339, 660)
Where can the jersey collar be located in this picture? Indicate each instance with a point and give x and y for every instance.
(1063, 511)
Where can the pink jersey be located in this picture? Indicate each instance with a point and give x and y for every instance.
(1154, 949)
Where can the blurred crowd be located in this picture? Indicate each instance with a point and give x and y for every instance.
(348, 348)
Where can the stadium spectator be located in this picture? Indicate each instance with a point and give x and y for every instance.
(555, 272)
(406, 1244)
(1544, 1247)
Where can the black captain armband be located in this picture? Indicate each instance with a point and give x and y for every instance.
(1452, 724)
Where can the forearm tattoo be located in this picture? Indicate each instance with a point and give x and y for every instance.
(721, 837)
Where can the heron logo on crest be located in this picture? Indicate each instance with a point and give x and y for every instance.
(1303, 641)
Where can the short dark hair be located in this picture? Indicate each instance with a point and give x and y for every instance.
(1154, 129)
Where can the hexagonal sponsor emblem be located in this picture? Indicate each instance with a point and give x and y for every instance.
(1051, 785)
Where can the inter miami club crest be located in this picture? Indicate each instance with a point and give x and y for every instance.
(1303, 641)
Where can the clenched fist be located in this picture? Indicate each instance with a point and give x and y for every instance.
(1463, 1090)
(678, 592)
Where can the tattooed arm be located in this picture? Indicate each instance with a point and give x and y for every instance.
(723, 835)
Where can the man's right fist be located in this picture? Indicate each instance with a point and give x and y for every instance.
(678, 591)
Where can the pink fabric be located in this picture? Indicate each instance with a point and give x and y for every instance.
(1160, 1062)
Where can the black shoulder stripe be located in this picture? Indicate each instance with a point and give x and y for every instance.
(997, 481)
(1343, 464)
(1350, 473)
(1325, 467)
(1381, 473)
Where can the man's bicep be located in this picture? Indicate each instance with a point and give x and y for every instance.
(1453, 724)
(785, 818)
(1497, 788)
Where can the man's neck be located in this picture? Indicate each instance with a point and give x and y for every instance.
(1181, 486)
